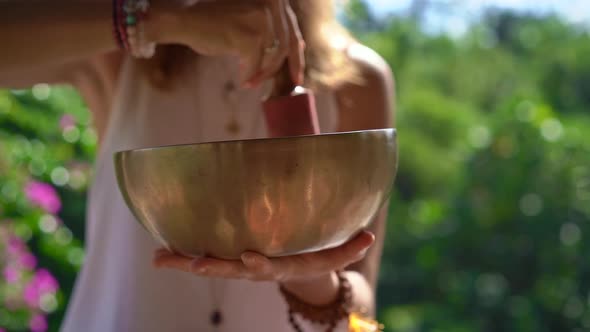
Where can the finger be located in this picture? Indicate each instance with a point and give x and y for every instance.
(170, 260)
(219, 268)
(351, 251)
(278, 34)
(251, 65)
(278, 18)
(343, 254)
(279, 27)
(325, 260)
(204, 266)
(296, 55)
(162, 252)
(270, 67)
(257, 264)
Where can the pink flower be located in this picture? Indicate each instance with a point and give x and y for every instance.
(46, 282)
(11, 275)
(44, 196)
(2, 330)
(27, 260)
(31, 295)
(67, 121)
(38, 323)
(15, 245)
(42, 283)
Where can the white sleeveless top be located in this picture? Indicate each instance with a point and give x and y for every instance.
(117, 288)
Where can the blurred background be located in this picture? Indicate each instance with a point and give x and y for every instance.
(491, 210)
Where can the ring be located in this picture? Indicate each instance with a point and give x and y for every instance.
(275, 43)
(274, 47)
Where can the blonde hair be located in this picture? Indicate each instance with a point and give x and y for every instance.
(327, 63)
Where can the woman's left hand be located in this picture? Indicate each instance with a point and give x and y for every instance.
(254, 266)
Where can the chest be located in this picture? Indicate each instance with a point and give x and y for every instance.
(205, 104)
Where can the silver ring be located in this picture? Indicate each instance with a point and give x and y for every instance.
(275, 43)
(274, 47)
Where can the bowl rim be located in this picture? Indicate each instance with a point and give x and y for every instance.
(391, 130)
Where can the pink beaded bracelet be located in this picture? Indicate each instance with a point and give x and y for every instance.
(129, 17)
(116, 33)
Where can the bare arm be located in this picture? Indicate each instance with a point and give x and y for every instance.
(53, 74)
(364, 106)
(369, 105)
(48, 41)
(49, 36)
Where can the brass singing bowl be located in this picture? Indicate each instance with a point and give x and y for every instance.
(279, 196)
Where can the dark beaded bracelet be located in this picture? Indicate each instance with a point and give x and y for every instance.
(120, 23)
(116, 32)
(329, 314)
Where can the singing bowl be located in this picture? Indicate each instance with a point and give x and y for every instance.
(276, 196)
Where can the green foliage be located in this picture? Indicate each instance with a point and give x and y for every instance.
(492, 200)
(487, 226)
(46, 146)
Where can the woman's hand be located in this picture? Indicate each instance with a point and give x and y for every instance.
(262, 34)
(253, 266)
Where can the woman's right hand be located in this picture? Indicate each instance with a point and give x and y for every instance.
(262, 34)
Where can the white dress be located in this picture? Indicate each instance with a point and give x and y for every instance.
(118, 289)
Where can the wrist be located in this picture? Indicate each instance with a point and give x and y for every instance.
(318, 290)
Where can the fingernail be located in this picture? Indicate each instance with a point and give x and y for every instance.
(197, 269)
(364, 252)
(254, 260)
(249, 259)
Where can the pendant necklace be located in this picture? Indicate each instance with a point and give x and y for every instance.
(233, 95)
(230, 91)
(216, 317)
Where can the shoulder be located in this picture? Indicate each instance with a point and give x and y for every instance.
(367, 103)
(374, 70)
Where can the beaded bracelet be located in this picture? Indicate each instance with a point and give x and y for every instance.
(330, 314)
(129, 16)
(116, 33)
(120, 25)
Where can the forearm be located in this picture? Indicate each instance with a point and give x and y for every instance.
(42, 33)
(370, 265)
